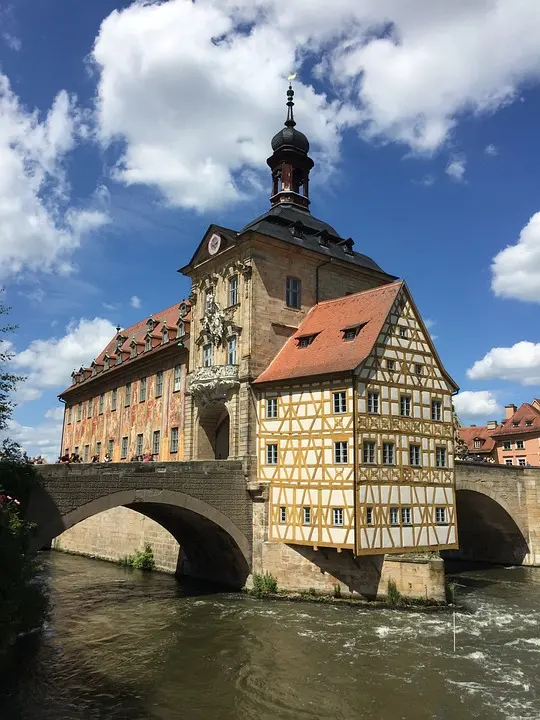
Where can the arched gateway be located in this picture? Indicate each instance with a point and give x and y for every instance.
(204, 505)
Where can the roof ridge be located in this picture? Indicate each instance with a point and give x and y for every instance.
(359, 292)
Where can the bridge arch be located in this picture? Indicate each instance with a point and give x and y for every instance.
(212, 547)
(488, 529)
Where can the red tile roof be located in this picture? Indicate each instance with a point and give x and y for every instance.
(166, 318)
(478, 432)
(525, 412)
(328, 352)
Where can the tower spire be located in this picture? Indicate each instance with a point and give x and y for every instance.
(290, 162)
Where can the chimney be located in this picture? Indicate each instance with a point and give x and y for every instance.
(491, 424)
(509, 411)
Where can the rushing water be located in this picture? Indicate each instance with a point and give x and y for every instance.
(127, 646)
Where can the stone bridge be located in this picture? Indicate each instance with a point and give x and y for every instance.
(204, 505)
(498, 509)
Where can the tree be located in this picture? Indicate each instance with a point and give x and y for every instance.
(460, 446)
(23, 602)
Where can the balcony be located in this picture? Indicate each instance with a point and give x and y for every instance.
(214, 384)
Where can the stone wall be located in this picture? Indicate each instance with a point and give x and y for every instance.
(117, 532)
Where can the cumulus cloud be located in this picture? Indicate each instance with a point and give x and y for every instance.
(41, 439)
(491, 150)
(135, 302)
(49, 363)
(193, 89)
(456, 168)
(56, 413)
(516, 269)
(38, 229)
(477, 404)
(519, 363)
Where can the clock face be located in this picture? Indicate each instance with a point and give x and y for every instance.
(214, 244)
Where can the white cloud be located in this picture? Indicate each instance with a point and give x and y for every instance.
(49, 363)
(194, 89)
(491, 150)
(476, 403)
(519, 363)
(135, 302)
(12, 41)
(42, 439)
(56, 413)
(38, 229)
(456, 168)
(516, 269)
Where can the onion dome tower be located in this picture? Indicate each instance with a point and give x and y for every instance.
(290, 163)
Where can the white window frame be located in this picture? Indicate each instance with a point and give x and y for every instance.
(406, 515)
(338, 517)
(272, 453)
(477, 443)
(207, 355)
(436, 410)
(389, 453)
(509, 461)
(339, 402)
(415, 453)
(271, 408)
(394, 516)
(231, 349)
(405, 404)
(507, 445)
(520, 445)
(233, 290)
(159, 384)
(440, 516)
(373, 405)
(156, 442)
(293, 292)
(173, 445)
(306, 515)
(341, 452)
(177, 378)
(522, 461)
(441, 457)
(369, 452)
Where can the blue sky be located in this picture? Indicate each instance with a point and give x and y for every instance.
(126, 129)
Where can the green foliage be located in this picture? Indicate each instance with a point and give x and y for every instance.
(393, 596)
(141, 560)
(8, 381)
(264, 584)
(337, 590)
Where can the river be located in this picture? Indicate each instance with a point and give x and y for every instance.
(123, 645)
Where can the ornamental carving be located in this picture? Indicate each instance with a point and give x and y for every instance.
(209, 385)
(214, 323)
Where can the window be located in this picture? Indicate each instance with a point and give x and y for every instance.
(402, 331)
(110, 448)
(293, 292)
(173, 445)
(106, 362)
(520, 445)
(79, 412)
(388, 453)
(233, 290)
(341, 452)
(440, 457)
(507, 445)
(124, 448)
(390, 365)
(90, 408)
(282, 514)
(528, 423)
(350, 333)
(508, 461)
(306, 516)
(337, 517)
(86, 453)
(159, 383)
(133, 351)
(405, 406)
(127, 398)
(394, 516)
(69, 415)
(406, 515)
(271, 408)
(177, 378)
(418, 369)
(98, 450)
(369, 516)
(139, 446)
(231, 350)
(76, 450)
(373, 402)
(155, 442)
(142, 390)
(101, 404)
(340, 402)
(114, 397)
(369, 453)
(477, 443)
(522, 461)
(414, 455)
(436, 410)
(207, 355)
(305, 341)
(119, 359)
(440, 515)
(515, 424)
(181, 329)
(148, 343)
(272, 454)
(165, 335)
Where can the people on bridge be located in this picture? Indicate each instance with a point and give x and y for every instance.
(107, 458)
(95, 459)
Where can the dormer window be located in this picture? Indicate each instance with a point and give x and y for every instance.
(181, 328)
(305, 340)
(184, 309)
(515, 424)
(119, 359)
(477, 443)
(150, 324)
(94, 370)
(106, 362)
(148, 343)
(165, 335)
(528, 423)
(133, 349)
(349, 333)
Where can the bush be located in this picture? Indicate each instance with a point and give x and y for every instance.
(264, 584)
(337, 591)
(141, 560)
(393, 596)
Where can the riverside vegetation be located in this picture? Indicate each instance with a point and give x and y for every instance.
(141, 560)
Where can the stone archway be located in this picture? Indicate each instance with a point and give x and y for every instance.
(213, 432)
(487, 531)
